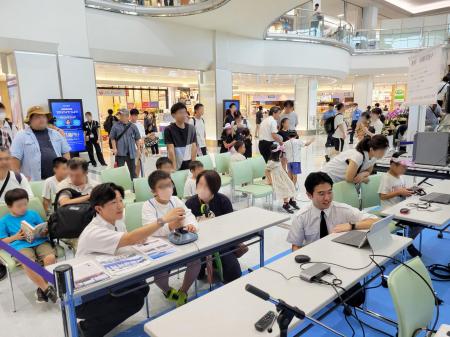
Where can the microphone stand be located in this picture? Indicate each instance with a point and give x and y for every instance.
(287, 312)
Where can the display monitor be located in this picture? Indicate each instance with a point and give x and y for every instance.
(68, 116)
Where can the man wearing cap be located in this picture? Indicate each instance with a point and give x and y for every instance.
(34, 148)
(125, 138)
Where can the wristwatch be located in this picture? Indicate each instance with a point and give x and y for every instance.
(353, 225)
(160, 222)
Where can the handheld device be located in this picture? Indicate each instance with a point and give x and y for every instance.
(265, 321)
(182, 237)
(302, 258)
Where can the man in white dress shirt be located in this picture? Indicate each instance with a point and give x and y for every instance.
(323, 215)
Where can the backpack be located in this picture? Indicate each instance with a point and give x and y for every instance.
(194, 121)
(67, 222)
(108, 124)
(329, 125)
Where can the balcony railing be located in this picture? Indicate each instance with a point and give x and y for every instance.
(156, 7)
(337, 32)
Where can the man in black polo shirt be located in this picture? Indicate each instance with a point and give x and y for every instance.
(180, 138)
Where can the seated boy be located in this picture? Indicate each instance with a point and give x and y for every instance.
(38, 250)
(152, 210)
(60, 170)
(166, 165)
(393, 190)
(240, 151)
(106, 234)
(190, 187)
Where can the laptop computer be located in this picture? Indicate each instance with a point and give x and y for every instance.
(377, 237)
(440, 198)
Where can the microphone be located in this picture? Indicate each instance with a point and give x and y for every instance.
(257, 292)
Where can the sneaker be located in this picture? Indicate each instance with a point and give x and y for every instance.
(40, 296)
(182, 298)
(172, 295)
(413, 251)
(293, 203)
(51, 294)
(287, 208)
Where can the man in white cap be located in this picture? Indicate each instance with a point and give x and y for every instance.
(34, 148)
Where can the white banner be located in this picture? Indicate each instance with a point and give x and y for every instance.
(425, 72)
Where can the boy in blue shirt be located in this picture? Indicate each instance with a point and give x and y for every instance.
(39, 250)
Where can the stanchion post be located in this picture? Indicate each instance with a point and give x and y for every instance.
(65, 288)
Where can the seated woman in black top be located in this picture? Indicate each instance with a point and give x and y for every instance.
(208, 184)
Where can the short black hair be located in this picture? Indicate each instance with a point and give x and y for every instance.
(104, 193)
(339, 106)
(316, 178)
(289, 103)
(195, 164)
(377, 111)
(162, 161)
(238, 144)
(395, 155)
(110, 111)
(134, 112)
(260, 107)
(377, 105)
(331, 105)
(78, 163)
(212, 179)
(145, 112)
(197, 106)
(232, 104)
(156, 176)
(59, 161)
(365, 114)
(292, 134)
(355, 104)
(283, 120)
(88, 113)
(176, 107)
(274, 110)
(14, 195)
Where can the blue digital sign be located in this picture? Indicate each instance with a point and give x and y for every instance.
(68, 115)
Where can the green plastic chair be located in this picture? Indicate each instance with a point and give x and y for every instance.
(142, 191)
(258, 169)
(346, 193)
(369, 192)
(36, 204)
(413, 300)
(3, 210)
(223, 167)
(37, 188)
(206, 161)
(119, 176)
(133, 216)
(179, 179)
(242, 173)
(11, 266)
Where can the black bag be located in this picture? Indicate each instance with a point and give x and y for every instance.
(67, 222)
(329, 125)
(108, 124)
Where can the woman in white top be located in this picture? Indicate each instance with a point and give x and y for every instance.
(268, 132)
(375, 122)
(356, 165)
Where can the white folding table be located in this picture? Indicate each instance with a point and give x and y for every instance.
(232, 311)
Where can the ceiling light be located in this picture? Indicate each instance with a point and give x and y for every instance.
(340, 15)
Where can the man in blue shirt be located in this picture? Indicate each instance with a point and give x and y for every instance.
(34, 148)
(37, 249)
(355, 117)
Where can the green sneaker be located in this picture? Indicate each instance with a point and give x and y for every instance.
(182, 298)
(172, 295)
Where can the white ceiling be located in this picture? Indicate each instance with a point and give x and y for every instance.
(417, 7)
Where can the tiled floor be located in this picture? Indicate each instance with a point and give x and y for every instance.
(39, 320)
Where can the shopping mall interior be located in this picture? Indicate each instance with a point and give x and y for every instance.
(345, 108)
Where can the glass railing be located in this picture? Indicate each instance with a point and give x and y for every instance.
(156, 7)
(335, 31)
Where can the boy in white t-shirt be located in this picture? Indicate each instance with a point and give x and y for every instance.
(153, 209)
(60, 172)
(292, 149)
(393, 190)
(190, 187)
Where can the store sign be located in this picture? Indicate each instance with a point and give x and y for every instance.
(399, 95)
(425, 71)
(111, 92)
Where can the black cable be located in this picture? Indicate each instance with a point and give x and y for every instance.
(442, 272)
(375, 329)
(436, 299)
(337, 265)
(360, 323)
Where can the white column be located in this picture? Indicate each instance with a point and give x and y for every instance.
(224, 90)
(370, 17)
(207, 90)
(306, 103)
(362, 91)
